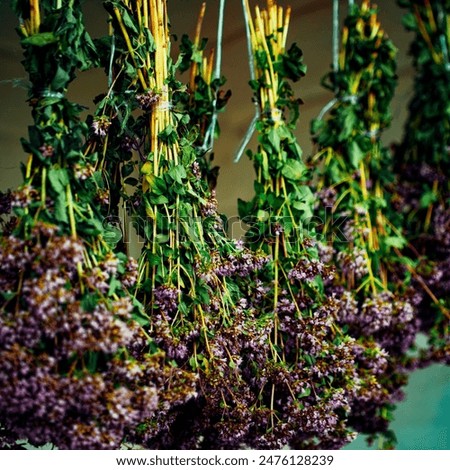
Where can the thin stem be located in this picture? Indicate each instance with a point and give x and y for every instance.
(71, 212)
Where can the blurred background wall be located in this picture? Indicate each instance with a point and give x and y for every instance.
(423, 420)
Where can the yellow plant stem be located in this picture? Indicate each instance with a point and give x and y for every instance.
(129, 46)
(427, 221)
(198, 31)
(438, 59)
(71, 212)
(35, 16)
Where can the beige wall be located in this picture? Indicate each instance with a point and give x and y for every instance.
(310, 28)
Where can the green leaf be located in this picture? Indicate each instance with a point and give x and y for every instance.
(395, 241)
(112, 235)
(428, 198)
(356, 154)
(293, 169)
(409, 21)
(274, 139)
(113, 286)
(40, 39)
(348, 123)
(305, 393)
(140, 319)
(61, 79)
(92, 361)
(290, 64)
(89, 302)
(262, 215)
(177, 173)
(127, 169)
(61, 208)
(304, 208)
(59, 179)
(158, 199)
(193, 363)
(7, 295)
(168, 135)
(128, 21)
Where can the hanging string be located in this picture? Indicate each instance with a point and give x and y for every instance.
(251, 128)
(326, 108)
(208, 143)
(335, 52)
(111, 60)
(335, 39)
(352, 99)
(251, 64)
(219, 39)
(44, 93)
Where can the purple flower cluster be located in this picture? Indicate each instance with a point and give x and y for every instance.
(66, 377)
(147, 100)
(100, 125)
(47, 151)
(441, 226)
(353, 264)
(307, 269)
(166, 298)
(262, 371)
(326, 197)
(130, 276)
(326, 253)
(209, 209)
(239, 263)
(82, 411)
(389, 320)
(428, 232)
(83, 171)
(23, 196)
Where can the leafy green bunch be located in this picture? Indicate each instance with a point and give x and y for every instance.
(352, 168)
(422, 191)
(77, 369)
(316, 359)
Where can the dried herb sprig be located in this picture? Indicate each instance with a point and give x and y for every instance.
(77, 370)
(422, 190)
(316, 382)
(352, 168)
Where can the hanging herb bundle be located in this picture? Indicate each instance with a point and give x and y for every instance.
(352, 168)
(77, 370)
(308, 380)
(422, 165)
(193, 280)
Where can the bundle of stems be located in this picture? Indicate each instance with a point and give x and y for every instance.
(352, 169)
(77, 369)
(317, 381)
